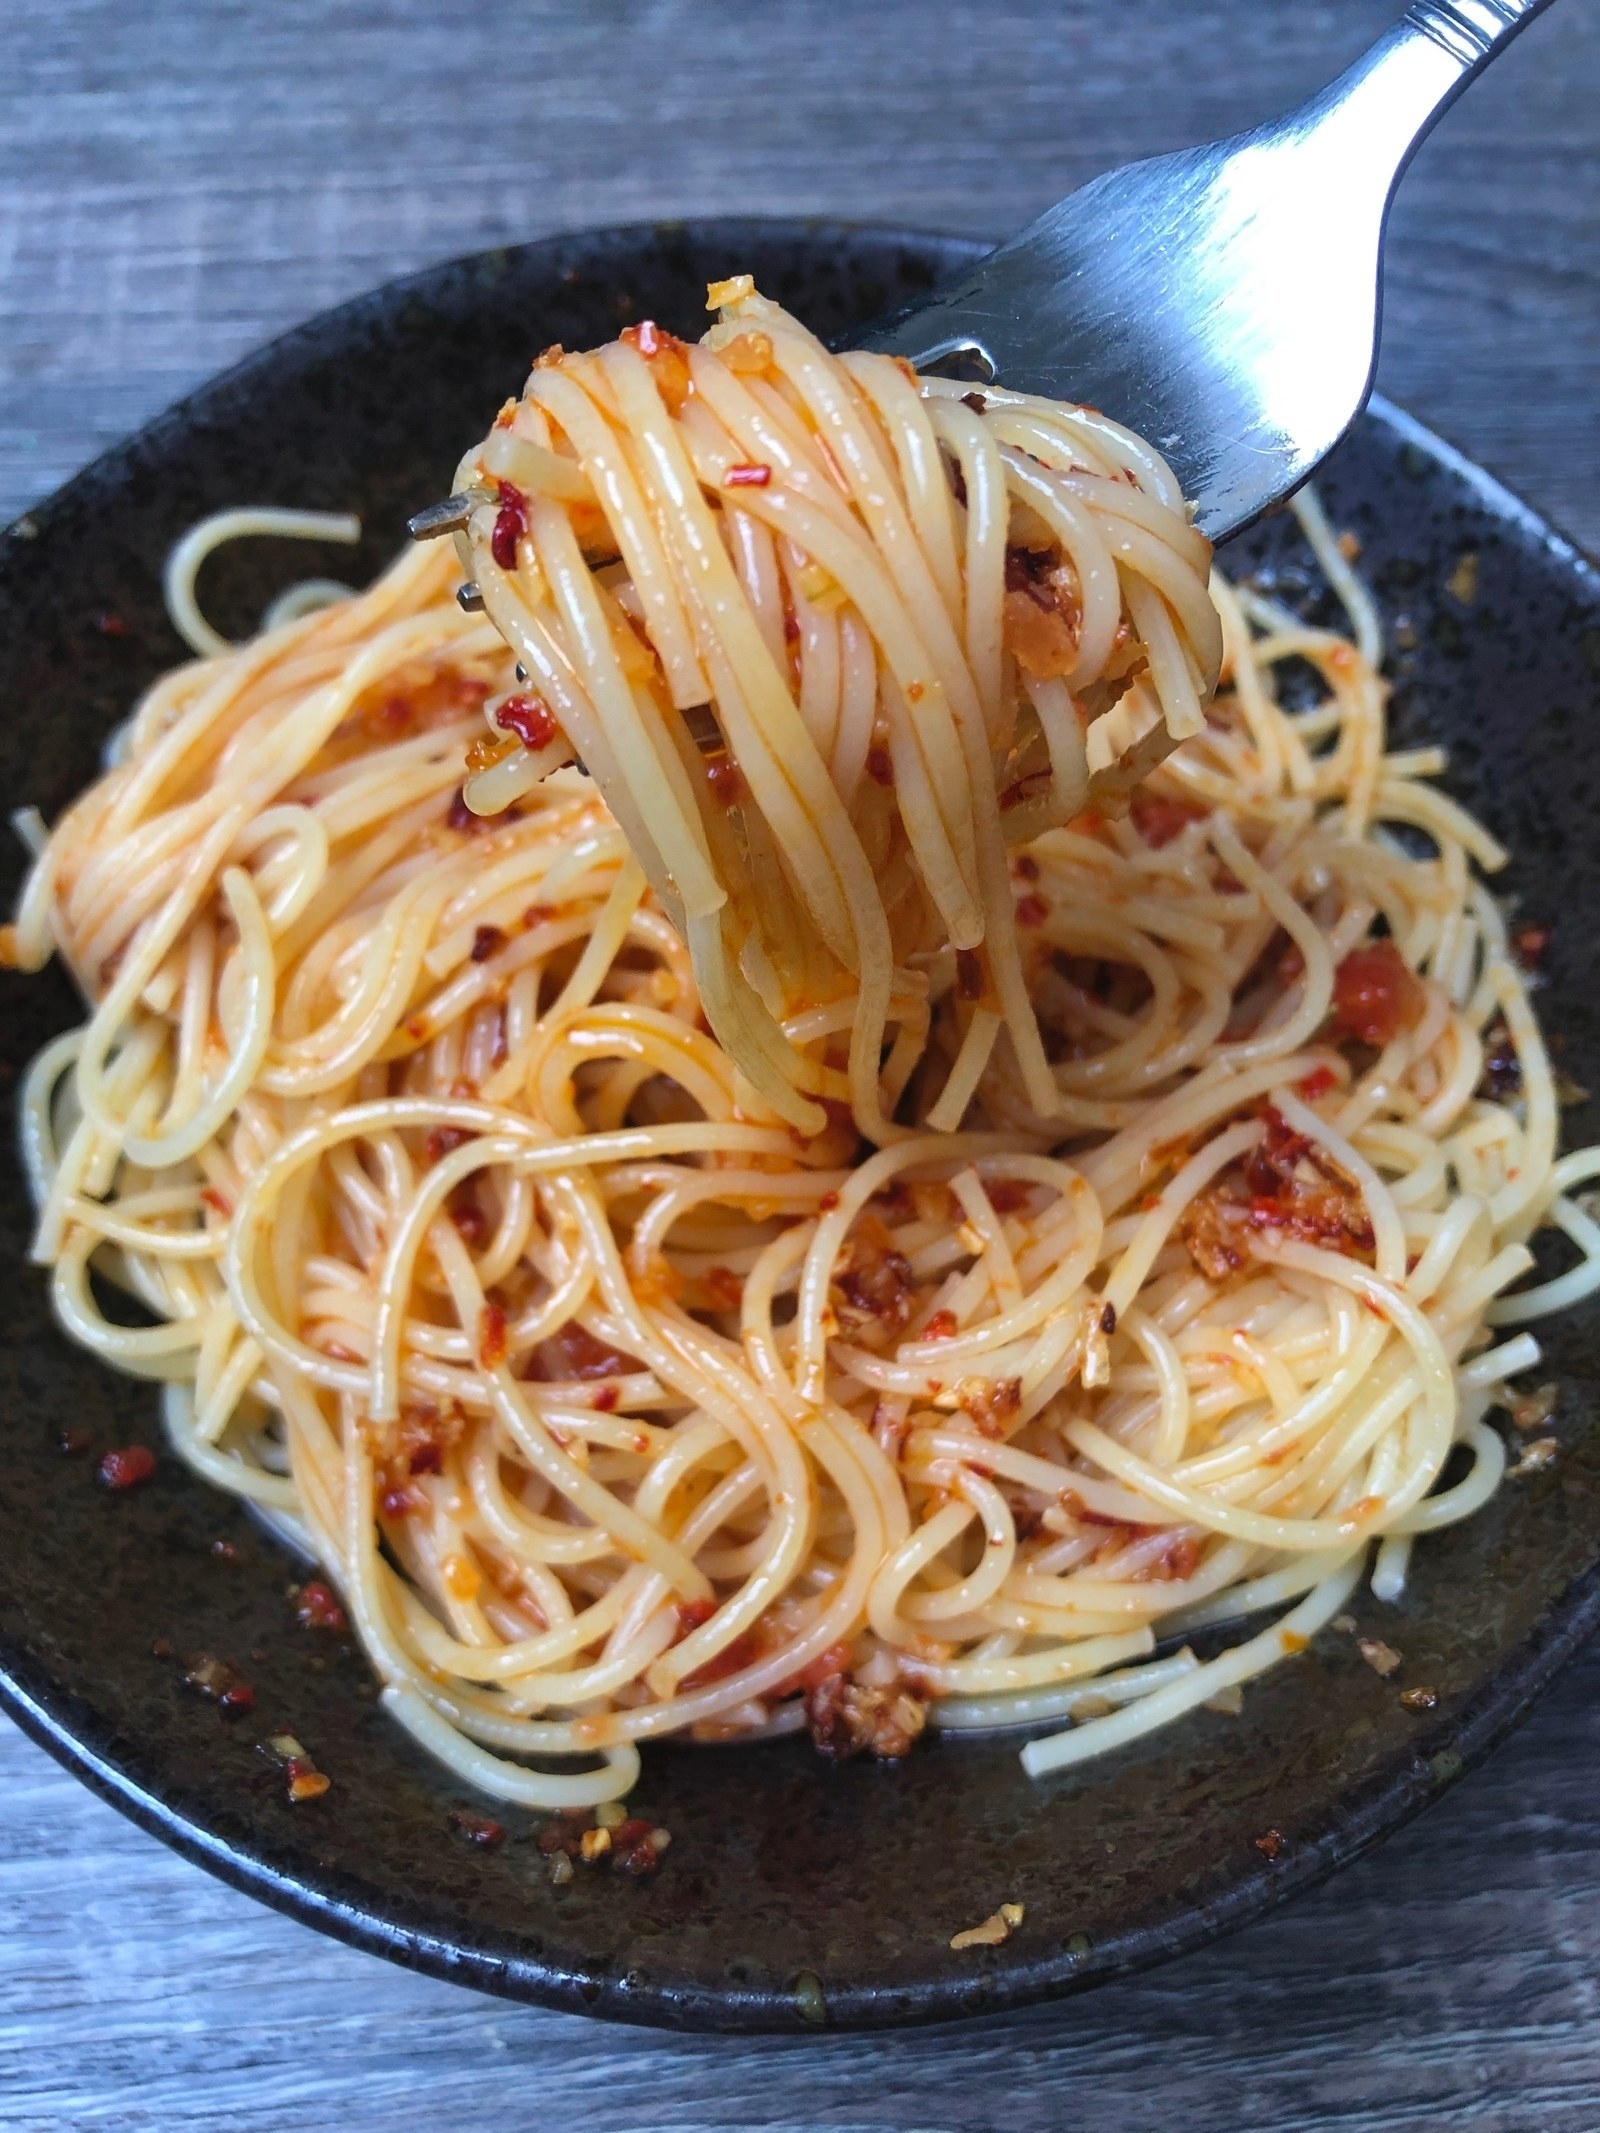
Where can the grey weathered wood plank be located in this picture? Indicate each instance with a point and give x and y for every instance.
(182, 178)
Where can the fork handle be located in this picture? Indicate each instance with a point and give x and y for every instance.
(1394, 94)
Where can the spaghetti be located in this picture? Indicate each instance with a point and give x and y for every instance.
(617, 1402)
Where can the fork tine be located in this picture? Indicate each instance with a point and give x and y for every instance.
(449, 517)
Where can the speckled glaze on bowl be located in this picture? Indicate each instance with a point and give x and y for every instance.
(795, 1894)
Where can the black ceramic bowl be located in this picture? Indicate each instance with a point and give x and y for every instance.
(794, 1893)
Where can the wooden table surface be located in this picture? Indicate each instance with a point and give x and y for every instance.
(181, 178)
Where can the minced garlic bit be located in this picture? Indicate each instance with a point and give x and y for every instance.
(999, 1926)
(1381, 1657)
(595, 1843)
(1462, 582)
(1532, 1410)
(732, 291)
(610, 1814)
(560, 1868)
(1229, 1700)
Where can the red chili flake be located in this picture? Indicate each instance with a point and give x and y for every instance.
(1530, 941)
(491, 1335)
(511, 523)
(224, 1551)
(748, 475)
(941, 1327)
(606, 1398)
(1158, 820)
(316, 1606)
(237, 1698)
(127, 1468)
(726, 780)
(978, 404)
(726, 1287)
(305, 1781)
(827, 1203)
(691, 1614)
(537, 915)
(529, 718)
(481, 1830)
(487, 941)
(791, 629)
(1270, 1844)
(1032, 911)
(216, 1201)
(1318, 1082)
(442, 1139)
(110, 624)
(565, 1833)
(880, 766)
(1025, 867)
(1108, 1319)
(969, 974)
(1375, 994)
(73, 1442)
(1006, 1195)
(632, 1849)
(426, 1458)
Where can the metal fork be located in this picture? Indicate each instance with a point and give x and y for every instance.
(1223, 302)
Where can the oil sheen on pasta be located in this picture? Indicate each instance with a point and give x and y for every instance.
(884, 1224)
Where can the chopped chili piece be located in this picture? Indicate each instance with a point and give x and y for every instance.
(481, 1830)
(487, 941)
(748, 475)
(634, 1850)
(492, 1335)
(1270, 1844)
(606, 1398)
(127, 1468)
(726, 1287)
(1006, 1195)
(1530, 941)
(529, 718)
(210, 1197)
(941, 1327)
(1158, 819)
(237, 1698)
(726, 780)
(442, 1139)
(1375, 994)
(1318, 1082)
(511, 524)
(316, 1606)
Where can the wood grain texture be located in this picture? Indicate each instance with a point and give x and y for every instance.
(181, 178)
